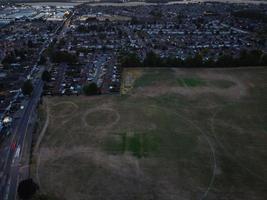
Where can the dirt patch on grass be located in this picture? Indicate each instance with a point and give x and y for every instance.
(231, 93)
(101, 118)
(117, 163)
(63, 109)
(194, 83)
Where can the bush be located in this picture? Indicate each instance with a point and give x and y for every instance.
(130, 60)
(251, 14)
(27, 188)
(90, 89)
(246, 58)
(152, 60)
(42, 60)
(27, 88)
(64, 56)
(46, 76)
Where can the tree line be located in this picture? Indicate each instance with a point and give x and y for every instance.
(245, 58)
(257, 15)
(63, 56)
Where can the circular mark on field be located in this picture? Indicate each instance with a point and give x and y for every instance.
(101, 118)
(188, 159)
(204, 156)
(192, 167)
(243, 145)
(63, 109)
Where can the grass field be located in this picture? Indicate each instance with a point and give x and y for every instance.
(173, 134)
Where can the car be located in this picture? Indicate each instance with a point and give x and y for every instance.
(13, 145)
(8, 133)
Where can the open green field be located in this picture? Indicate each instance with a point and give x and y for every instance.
(173, 134)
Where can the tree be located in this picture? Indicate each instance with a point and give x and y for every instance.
(251, 58)
(264, 60)
(30, 44)
(27, 88)
(135, 20)
(2, 86)
(156, 13)
(130, 60)
(46, 76)
(42, 60)
(61, 43)
(251, 14)
(9, 58)
(255, 57)
(27, 188)
(196, 61)
(172, 62)
(152, 60)
(64, 56)
(209, 63)
(90, 89)
(226, 61)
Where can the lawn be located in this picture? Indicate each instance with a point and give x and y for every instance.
(140, 145)
(191, 82)
(174, 134)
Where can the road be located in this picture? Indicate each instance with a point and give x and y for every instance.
(98, 69)
(12, 148)
(60, 76)
(13, 162)
(22, 128)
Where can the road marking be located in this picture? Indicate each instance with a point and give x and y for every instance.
(7, 190)
(17, 152)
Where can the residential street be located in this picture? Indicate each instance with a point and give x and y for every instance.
(21, 135)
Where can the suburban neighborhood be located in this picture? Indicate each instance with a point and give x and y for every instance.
(51, 51)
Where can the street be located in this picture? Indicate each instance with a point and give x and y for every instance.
(11, 149)
(12, 167)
